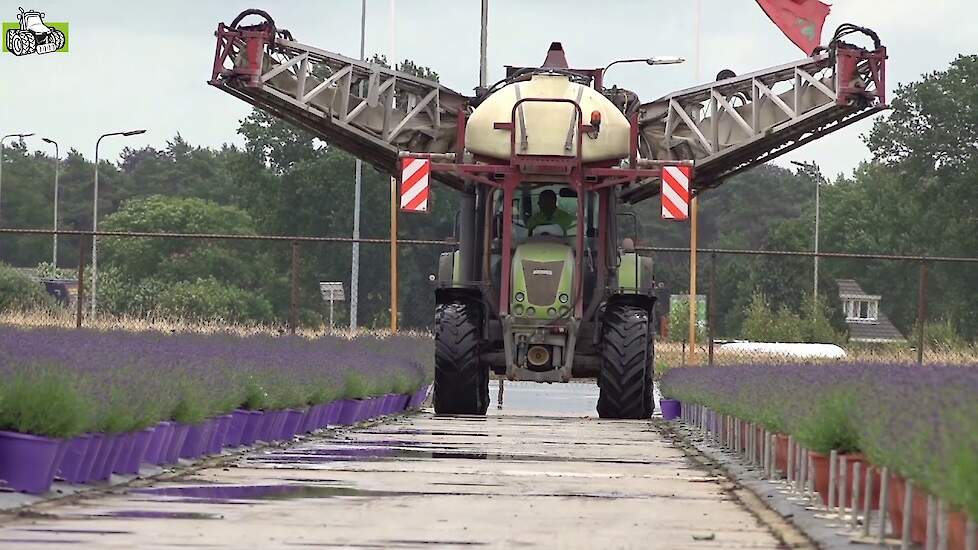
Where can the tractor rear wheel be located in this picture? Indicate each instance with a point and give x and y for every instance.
(625, 380)
(461, 383)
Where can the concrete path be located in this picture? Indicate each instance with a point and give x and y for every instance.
(537, 474)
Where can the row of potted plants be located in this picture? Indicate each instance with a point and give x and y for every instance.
(30, 463)
(59, 384)
(920, 423)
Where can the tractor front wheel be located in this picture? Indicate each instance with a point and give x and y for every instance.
(58, 38)
(625, 380)
(461, 382)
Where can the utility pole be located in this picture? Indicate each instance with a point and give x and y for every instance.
(694, 208)
(394, 200)
(57, 162)
(358, 167)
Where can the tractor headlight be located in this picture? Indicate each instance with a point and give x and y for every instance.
(531, 311)
(552, 312)
(563, 298)
(519, 296)
(518, 309)
(564, 310)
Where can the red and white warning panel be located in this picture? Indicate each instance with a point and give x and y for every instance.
(675, 192)
(415, 184)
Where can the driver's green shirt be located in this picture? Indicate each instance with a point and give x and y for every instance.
(565, 220)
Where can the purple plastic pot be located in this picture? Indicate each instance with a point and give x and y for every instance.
(349, 411)
(252, 424)
(58, 457)
(274, 426)
(74, 457)
(122, 453)
(87, 469)
(106, 458)
(291, 424)
(401, 403)
(671, 409)
(221, 425)
(197, 437)
(140, 442)
(171, 454)
(265, 423)
(390, 401)
(309, 419)
(159, 443)
(331, 414)
(239, 419)
(28, 462)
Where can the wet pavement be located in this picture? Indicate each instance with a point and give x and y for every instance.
(542, 472)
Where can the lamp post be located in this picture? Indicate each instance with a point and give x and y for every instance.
(811, 170)
(358, 176)
(57, 162)
(95, 211)
(658, 60)
(4, 138)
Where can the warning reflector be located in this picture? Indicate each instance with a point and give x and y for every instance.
(675, 192)
(415, 184)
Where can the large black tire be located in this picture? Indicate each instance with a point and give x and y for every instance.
(58, 38)
(461, 383)
(625, 380)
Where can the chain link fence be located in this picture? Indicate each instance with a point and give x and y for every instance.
(875, 319)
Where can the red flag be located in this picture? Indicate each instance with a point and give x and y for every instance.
(800, 20)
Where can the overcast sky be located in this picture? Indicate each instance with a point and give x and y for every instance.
(144, 64)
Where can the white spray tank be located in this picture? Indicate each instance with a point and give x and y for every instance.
(548, 128)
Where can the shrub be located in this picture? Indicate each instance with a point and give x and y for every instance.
(17, 292)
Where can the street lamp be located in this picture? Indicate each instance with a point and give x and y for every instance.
(811, 170)
(18, 136)
(95, 211)
(658, 60)
(57, 162)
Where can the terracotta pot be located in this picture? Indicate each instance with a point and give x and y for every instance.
(781, 453)
(918, 527)
(894, 503)
(957, 521)
(851, 461)
(820, 474)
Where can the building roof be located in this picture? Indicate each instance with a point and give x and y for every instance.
(849, 288)
(882, 330)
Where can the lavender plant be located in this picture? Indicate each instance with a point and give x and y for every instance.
(117, 381)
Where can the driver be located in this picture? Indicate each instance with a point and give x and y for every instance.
(549, 214)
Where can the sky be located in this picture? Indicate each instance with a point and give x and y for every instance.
(145, 64)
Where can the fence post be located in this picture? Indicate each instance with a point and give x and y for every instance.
(80, 296)
(921, 312)
(710, 304)
(294, 294)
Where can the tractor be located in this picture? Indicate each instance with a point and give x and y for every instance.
(33, 35)
(546, 284)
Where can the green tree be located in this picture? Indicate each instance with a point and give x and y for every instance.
(184, 277)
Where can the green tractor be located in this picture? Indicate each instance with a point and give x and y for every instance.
(33, 36)
(545, 287)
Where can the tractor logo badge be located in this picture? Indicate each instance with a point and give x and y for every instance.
(32, 34)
